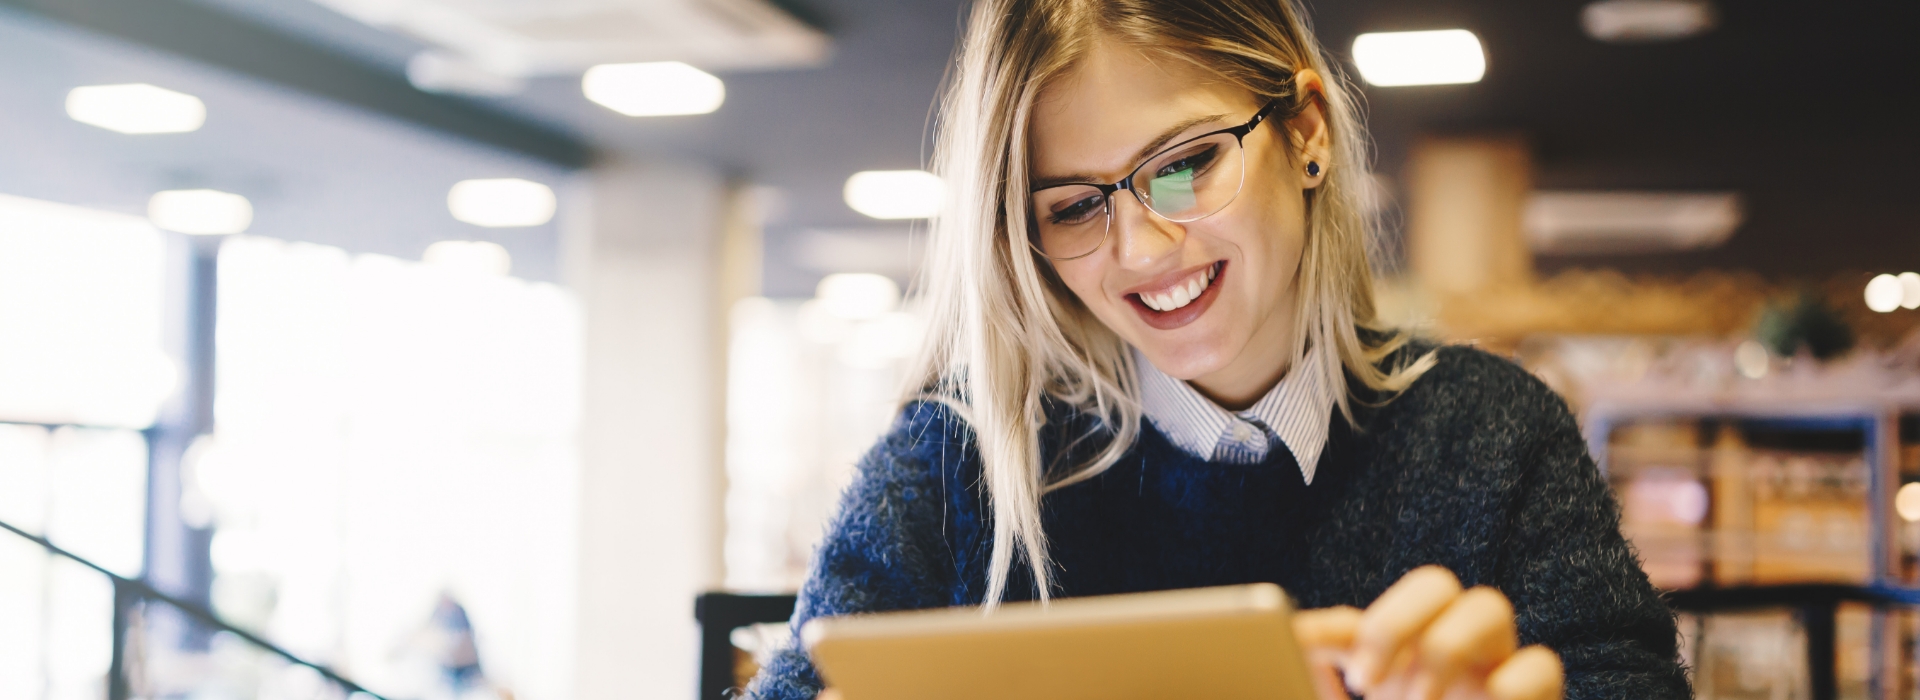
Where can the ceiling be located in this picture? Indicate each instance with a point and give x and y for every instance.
(1797, 106)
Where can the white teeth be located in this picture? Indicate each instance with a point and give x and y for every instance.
(1179, 296)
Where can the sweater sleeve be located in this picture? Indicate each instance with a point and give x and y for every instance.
(887, 548)
(1574, 581)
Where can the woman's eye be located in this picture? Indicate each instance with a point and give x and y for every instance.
(1076, 211)
(1197, 161)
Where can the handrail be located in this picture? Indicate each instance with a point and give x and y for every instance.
(123, 585)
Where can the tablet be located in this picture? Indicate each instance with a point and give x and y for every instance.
(1228, 642)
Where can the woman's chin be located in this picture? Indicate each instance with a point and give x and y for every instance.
(1184, 360)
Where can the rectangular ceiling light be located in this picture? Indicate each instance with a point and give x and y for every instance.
(502, 203)
(1574, 222)
(657, 89)
(1438, 57)
(896, 194)
(136, 108)
(200, 212)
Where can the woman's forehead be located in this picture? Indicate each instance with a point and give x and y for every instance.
(1119, 100)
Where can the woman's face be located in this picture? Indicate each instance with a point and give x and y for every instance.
(1121, 104)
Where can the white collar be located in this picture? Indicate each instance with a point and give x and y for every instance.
(1296, 410)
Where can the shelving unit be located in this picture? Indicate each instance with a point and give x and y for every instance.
(1741, 505)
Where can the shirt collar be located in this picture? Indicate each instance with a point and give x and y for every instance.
(1297, 411)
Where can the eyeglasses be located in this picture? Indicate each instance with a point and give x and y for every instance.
(1185, 182)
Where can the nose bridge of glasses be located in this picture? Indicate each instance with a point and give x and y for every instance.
(1141, 233)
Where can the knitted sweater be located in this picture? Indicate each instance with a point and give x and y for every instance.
(1478, 467)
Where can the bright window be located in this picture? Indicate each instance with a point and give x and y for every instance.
(389, 431)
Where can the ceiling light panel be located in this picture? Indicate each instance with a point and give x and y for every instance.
(896, 194)
(481, 257)
(1437, 57)
(526, 38)
(200, 212)
(1627, 21)
(653, 89)
(136, 108)
(502, 203)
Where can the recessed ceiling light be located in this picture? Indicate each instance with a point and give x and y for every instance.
(136, 108)
(857, 295)
(1884, 293)
(470, 256)
(896, 194)
(200, 212)
(653, 89)
(501, 203)
(1437, 57)
(1647, 20)
(1909, 290)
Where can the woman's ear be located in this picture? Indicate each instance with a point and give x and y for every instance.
(1308, 130)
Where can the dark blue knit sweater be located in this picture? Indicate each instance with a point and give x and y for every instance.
(1478, 467)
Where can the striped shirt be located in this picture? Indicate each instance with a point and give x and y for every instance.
(1294, 414)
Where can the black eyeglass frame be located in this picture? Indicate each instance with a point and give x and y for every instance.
(1126, 183)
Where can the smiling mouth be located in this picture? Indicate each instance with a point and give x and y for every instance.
(1181, 303)
(1181, 295)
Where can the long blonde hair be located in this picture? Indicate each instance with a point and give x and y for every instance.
(1006, 333)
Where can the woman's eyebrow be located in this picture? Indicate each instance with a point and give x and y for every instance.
(1153, 146)
(1166, 136)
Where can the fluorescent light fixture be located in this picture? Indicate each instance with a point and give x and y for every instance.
(896, 194)
(1573, 222)
(502, 203)
(1884, 293)
(200, 212)
(1646, 20)
(653, 89)
(470, 256)
(1437, 57)
(136, 108)
(857, 295)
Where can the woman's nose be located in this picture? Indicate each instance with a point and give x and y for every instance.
(1140, 237)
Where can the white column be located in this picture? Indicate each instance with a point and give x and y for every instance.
(646, 263)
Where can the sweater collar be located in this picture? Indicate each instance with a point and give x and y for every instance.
(1295, 413)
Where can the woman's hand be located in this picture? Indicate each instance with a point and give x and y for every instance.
(1426, 639)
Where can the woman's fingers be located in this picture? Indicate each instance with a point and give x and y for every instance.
(1324, 635)
(1473, 635)
(1532, 673)
(1395, 620)
(1331, 628)
(828, 694)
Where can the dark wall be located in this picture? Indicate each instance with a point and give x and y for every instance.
(1805, 108)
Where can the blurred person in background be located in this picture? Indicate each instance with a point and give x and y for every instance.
(1157, 216)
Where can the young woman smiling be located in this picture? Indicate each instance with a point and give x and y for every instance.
(1154, 364)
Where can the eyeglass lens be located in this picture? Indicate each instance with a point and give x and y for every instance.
(1188, 183)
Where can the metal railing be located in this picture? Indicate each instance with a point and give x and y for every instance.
(129, 593)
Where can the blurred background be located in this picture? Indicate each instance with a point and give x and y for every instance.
(424, 349)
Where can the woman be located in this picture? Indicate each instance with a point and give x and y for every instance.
(1154, 366)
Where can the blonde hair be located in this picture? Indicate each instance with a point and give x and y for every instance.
(1006, 333)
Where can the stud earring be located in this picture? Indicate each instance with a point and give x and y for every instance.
(1313, 169)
